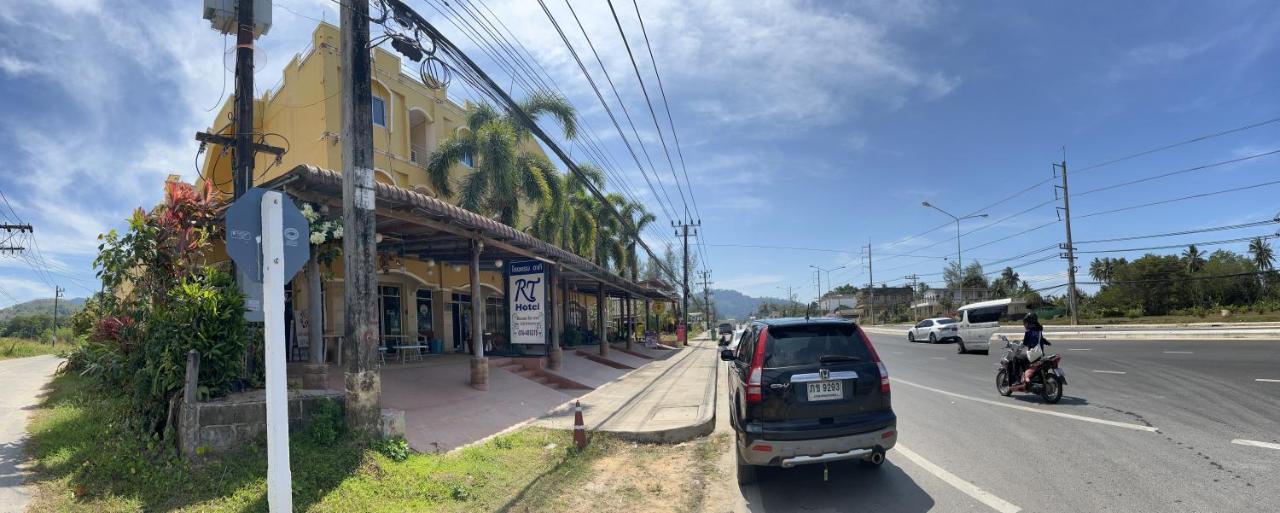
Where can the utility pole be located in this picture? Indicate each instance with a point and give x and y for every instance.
(57, 294)
(682, 230)
(1072, 300)
(242, 172)
(10, 228)
(871, 287)
(912, 306)
(706, 296)
(359, 251)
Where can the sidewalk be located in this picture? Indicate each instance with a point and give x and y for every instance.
(669, 400)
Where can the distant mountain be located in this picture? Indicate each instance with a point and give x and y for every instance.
(66, 307)
(731, 304)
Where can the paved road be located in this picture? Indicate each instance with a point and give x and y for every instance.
(1153, 432)
(20, 383)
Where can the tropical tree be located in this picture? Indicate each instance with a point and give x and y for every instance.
(568, 221)
(1260, 250)
(1193, 258)
(507, 170)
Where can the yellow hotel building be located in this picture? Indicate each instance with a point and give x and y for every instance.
(419, 299)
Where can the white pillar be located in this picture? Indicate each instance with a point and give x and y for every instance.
(279, 488)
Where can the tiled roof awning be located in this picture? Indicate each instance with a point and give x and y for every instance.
(416, 224)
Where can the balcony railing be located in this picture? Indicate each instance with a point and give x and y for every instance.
(418, 155)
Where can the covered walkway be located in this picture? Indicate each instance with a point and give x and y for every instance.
(455, 261)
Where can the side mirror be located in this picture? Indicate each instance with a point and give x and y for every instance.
(726, 355)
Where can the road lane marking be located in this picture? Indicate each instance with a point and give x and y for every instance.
(1078, 349)
(1253, 443)
(1108, 372)
(937, 357)
(968, 488)
(1126, 425)
(1179, 352)
(1264, 380)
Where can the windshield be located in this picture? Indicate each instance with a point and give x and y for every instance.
(805, 344)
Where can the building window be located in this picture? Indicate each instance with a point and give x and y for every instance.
(467, 160)
(379, 111)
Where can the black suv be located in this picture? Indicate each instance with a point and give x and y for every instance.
(807, 391)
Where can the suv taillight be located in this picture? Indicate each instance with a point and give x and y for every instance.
(754, 372)
(884, 373)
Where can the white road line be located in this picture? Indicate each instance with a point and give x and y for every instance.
(1078, 349)
(1108, 372)
(968, 488)
(1264, 380)
(938, 357)
(1179, 352)
(1126, 425)
(1251, 443)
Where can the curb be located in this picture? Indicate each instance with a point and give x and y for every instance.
(701, 427)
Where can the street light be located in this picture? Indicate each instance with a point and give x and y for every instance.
(828, 271)
(959, 261)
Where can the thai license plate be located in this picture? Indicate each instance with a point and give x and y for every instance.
(826, 390)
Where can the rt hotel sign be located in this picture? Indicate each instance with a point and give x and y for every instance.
(526, 282)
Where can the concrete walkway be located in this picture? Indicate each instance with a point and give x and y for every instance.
(21, 380)
(670, 400)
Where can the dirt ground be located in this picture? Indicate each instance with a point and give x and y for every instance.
(640, 478)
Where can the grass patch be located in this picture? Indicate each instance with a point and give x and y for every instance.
(89, 459)
(12, 347)
(1173, 319)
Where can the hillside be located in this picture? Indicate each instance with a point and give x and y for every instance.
(731, 304)
(66, 307)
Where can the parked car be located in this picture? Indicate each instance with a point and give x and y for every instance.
(807, 391)
(726, 331)
(977, 322)
(938, 329)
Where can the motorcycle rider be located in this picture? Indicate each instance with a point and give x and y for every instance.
(1031, 348)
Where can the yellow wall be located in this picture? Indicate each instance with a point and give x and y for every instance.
(304, 114)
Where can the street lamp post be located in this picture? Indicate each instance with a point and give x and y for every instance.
(959, 260)
(828, 271)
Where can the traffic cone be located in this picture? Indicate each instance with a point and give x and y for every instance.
(579, 428)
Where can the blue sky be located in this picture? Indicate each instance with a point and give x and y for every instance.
(807, 124)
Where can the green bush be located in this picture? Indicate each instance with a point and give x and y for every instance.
(572, 336)
(326, 423)
(395, 448)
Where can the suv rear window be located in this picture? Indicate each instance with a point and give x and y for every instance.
(805, 344)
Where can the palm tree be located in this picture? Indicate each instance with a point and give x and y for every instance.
(1194, 259)
(570, 222)
(1103, 269)
(506, 170)
(1263, 258)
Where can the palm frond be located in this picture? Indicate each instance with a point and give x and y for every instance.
(543, 102)
(447, 155)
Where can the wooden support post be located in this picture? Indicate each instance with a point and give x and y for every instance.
(555, 355)
(601, 321)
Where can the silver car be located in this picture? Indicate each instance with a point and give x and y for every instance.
(938, 329)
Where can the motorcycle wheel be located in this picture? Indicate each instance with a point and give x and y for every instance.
(1052, 392)
(1002, 383)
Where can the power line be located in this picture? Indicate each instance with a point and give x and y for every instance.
(1177, 144)
(1181, 198)
(1174, 246)
(1178, 172)
(1183, 232)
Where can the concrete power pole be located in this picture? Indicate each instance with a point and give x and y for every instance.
(683, 232)
(57, 294)
(1072, 300)
(871, 287)
(912, 306)
(708, 312)
(242, 172)
(359, 251)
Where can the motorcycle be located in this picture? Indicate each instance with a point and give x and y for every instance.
(1047, 379)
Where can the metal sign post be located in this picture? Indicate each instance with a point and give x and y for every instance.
(269, 240)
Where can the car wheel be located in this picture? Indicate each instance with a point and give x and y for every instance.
(933, 338)
(746, 471)
(1002, 383)
(911, 336)
(960, 346)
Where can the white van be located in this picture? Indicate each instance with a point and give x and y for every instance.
(977, 322)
